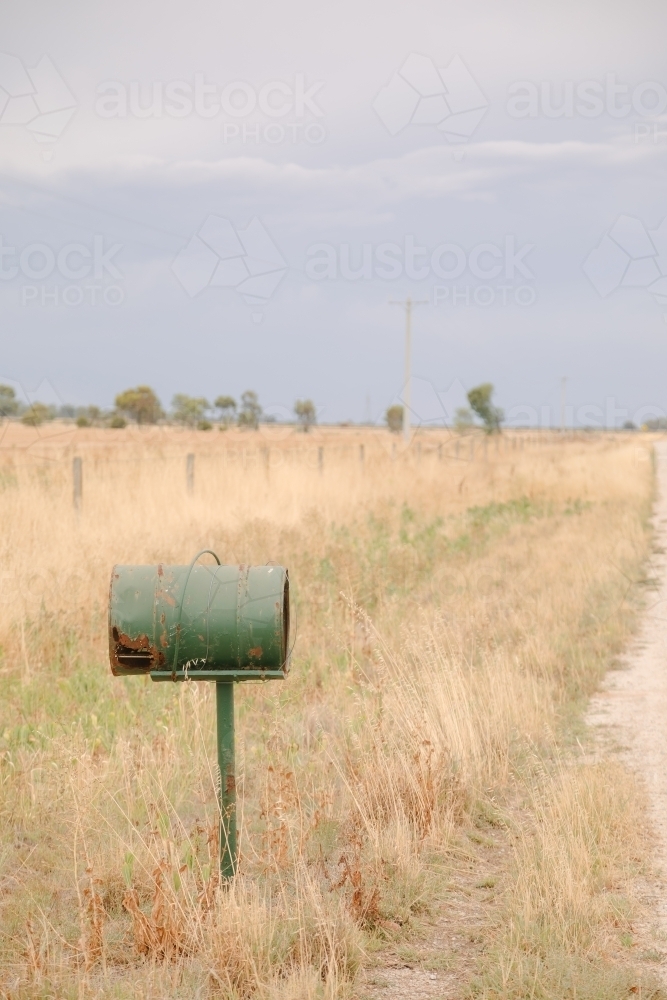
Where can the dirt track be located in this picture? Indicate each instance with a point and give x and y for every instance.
(630, 712)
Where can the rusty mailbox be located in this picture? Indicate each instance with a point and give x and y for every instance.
(203, 622)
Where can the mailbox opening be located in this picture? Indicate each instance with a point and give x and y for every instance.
(136, 655)
(127, 657)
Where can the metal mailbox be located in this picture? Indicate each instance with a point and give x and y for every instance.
(203, 622)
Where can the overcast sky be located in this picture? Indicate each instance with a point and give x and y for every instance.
(211, 197)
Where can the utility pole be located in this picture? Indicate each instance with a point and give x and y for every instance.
(562, 403)
(407, 305)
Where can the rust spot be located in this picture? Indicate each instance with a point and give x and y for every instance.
(256, 651)
(160, 571)
(164, 640)
(162, 618)
(230, 784)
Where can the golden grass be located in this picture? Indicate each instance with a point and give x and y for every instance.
(450, 613)
(568, 909)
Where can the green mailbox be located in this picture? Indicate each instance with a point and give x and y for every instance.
(217, 623)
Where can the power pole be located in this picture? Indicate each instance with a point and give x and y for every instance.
(562, 403)
(407, 305)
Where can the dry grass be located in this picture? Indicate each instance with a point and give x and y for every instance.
(568, 908)
(452, 615)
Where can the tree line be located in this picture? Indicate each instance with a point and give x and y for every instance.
(141, 405)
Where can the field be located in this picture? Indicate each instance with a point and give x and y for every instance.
(420, 811)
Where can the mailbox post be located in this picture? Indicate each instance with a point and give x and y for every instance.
(202, 622)
(224, 705)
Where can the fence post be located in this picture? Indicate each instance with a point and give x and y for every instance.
(77, 480)
(393, 452)
(320, 459)
(361, 456)
(440, 451)
(190, 473)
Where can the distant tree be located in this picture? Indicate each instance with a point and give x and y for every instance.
(394, 418)
(117, 421)
(251, 411)
(305, 413)
(140, 404)
(36, 414)
(188, 410)
(9, 405)
(87, 416)
(480, 402)
(227, 407)
(463, 418)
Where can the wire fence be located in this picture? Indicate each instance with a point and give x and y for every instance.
(48, 452)
(51, 461)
